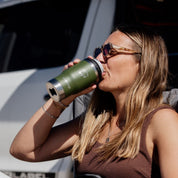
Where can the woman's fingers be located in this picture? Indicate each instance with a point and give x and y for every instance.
(85, 91)
(72, 63)
(76, 61)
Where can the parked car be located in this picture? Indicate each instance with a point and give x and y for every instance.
(37, 37)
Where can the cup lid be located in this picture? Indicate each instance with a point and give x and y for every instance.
(99, 64)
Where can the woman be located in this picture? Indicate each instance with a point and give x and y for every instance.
(127, 130)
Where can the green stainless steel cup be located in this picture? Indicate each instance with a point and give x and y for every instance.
(75, 79)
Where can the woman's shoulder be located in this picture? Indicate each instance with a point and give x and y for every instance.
(164, 113)
(164, 122)
(161, 111)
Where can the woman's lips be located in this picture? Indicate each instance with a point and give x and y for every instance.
(103, 74)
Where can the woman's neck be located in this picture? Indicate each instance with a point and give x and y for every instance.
(120, 101)
(118, 118)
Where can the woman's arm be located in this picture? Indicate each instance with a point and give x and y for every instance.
(165, 136)
(38, 140)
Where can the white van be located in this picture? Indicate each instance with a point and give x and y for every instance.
(34, 51)
(37, 37)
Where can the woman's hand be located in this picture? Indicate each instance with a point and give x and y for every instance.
(38, 140)
(70, 98)
(72, 63)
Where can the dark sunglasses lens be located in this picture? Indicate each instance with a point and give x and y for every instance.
(97, 52)
(106, 49)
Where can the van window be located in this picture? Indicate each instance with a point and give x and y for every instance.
(40, 34)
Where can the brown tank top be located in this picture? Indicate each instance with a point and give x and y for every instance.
(141, 166)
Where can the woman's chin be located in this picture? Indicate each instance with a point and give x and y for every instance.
(103, 87)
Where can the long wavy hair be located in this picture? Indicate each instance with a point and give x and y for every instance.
(143, 96)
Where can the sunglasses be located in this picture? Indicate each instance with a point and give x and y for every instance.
(110, 50)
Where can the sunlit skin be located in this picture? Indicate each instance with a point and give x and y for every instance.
(39, 141)
(120, 70)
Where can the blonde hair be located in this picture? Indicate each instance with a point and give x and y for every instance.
(143, 97)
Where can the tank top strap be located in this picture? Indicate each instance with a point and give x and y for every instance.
(146, 123)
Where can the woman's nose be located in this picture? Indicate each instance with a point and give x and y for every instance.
(100, 58)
